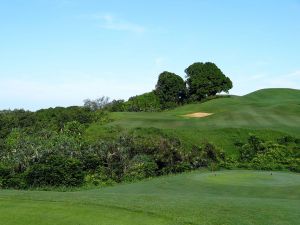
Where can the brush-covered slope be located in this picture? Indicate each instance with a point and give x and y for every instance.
(228, 197)
(269, 113)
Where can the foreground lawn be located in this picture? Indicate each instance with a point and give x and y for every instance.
(227, 197)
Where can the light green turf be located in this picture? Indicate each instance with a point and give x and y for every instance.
(269, 113)
(225, 197)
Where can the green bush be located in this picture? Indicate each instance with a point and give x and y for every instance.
(99, 177)
(268, 155)
(179, 167)
(55, 170)
(15, 181)
(140, 167)
(10, 179)
(116, 106)
(295, 165)
(229, 163)
(148, 102)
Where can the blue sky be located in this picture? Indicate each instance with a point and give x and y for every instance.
(59, 52)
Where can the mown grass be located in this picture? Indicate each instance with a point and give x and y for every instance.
(268, 113)
(224, 197)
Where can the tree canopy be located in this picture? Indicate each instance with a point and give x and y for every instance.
(170, 88)
(203, 80)
(206, 79)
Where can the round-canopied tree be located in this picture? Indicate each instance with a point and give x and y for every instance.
(206, 79)
(170, 88)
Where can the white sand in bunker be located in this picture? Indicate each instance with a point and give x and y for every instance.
(198, 115)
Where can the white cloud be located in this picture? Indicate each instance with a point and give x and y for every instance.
(112, 22)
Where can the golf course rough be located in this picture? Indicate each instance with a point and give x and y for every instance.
(199, 197)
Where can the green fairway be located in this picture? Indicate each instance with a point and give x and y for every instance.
(268, 113)
(227, 197)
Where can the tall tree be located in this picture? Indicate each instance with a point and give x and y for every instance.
(206, 79)
(170, 88)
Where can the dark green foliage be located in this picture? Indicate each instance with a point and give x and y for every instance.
(73, 128)
(168, 152)
(211, 152)
(59, 154)
(91, 161)
(295, 166)
(170, 89)
(249, 150)
(286, 140)
(206, 79)
(5, 174)
(116, 106)
(10, 179)
(267, 155)
(203, 156)
(55, 170)
(99, 177)
(63, 159)
(15, 181)
(56, 118)
(140, 167)
(53, 119)
(148, 102)
(28, 137)
(14, 119)
(197, 157)
(229, 163)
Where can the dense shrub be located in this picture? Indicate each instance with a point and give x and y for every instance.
(58, 154)
(116, 106)
(148, 102)
(140, 167)
(55, 170)
(294, 165)
(230, 163)
(143, 153)
(100, 177)
(52, 119)
(268, 155)
(10, 179)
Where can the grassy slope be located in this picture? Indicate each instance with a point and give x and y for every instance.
(268, 113)
(230, 197)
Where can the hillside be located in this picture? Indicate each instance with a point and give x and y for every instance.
(268, 113)
(230, 197)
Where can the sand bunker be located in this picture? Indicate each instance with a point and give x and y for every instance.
(198, 115)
